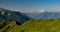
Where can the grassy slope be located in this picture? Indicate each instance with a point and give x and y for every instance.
(42, 26)
(34, 26)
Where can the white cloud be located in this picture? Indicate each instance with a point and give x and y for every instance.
(40, 10)
(16, 10)
(30, 10)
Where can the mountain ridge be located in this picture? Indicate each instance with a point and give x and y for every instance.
(8, 14)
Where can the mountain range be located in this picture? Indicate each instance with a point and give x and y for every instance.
(44, 15)
(28, 21)
(14, 15)
(23, 17)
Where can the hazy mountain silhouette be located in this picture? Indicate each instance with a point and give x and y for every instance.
(45, 15)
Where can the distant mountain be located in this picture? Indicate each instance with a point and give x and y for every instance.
(17, 16)
(45, 15)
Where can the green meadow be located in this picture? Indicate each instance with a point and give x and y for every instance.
(41, 25)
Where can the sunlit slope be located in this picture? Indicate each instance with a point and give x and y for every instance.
(41, 25)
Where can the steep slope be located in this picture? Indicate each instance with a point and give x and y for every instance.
(14, 15)
(5, 25)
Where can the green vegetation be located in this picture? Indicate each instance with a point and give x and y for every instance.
(41, 25)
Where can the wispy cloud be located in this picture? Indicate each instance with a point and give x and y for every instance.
(40, 10)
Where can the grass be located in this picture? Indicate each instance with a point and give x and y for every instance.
(41, 25)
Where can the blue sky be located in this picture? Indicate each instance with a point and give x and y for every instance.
(31, 5)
